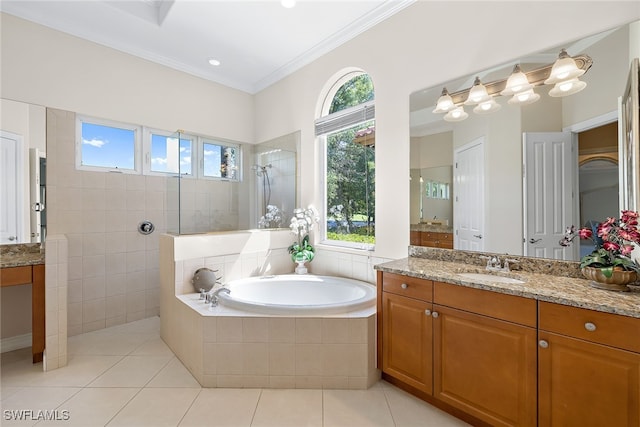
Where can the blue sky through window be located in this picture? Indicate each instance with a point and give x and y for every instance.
(165, 155)
(107, 146)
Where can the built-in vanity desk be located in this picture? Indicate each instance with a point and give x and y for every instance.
(24, 265)
(549, 351)
(432, 235)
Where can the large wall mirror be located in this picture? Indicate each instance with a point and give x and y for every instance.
(23, 173)
(523, 173)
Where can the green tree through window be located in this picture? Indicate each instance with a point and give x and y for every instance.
(350, 173)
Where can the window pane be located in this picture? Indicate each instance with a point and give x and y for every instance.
(108, 147)
(350, 186)
(168, 156)
(220, 161)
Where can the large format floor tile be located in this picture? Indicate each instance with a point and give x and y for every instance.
(127, 376)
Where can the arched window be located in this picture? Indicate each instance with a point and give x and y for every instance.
(347, 129)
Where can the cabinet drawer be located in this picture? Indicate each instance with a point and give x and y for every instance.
(408, 286)
(15, 276)
(595, 326)
(492, 304)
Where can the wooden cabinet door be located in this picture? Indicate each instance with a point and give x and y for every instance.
(587, 384)
(414, 238)
(407, 341)
(486, 367)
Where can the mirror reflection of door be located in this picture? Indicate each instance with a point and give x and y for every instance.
(10, 196)
(548, 193)
(468, 190)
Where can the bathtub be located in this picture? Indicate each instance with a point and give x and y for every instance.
(298, 294)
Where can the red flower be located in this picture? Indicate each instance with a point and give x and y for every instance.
(626, 250)
(585, 233)
(610, 246)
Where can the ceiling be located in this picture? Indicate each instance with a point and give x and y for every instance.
(256, 42)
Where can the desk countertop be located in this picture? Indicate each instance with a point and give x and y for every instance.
(21, 255)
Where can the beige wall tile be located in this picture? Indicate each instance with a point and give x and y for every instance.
(282, 330)
(308, 330)
(255, 330)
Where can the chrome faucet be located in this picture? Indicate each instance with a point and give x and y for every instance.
(495, 264)
(213, 298)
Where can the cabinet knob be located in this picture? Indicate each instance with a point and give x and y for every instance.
(435, 314)
(427, 312)
(404, 286)
(590, 326)
(543, 344)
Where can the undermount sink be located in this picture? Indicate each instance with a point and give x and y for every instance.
(490, 278)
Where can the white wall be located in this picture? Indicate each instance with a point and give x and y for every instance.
(422, 46)
(46, 67)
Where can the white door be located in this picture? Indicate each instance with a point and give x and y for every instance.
(36, 193)
(11, 209)
(468, 192)
(549, 165)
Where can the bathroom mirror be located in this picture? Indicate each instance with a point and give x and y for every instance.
(22, 173)
(505, 216)
(433, 187)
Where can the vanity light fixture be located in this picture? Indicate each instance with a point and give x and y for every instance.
(456, 115)
(487, 107)
(568, 87)
(563, 73)
(445, 102)
(478, 94)
(516, 83)
(524, 98)
(565, 68)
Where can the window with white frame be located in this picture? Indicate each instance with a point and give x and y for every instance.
(220, 160)
(104, 145)
(107, 145)
(167, 152)
(347, 130)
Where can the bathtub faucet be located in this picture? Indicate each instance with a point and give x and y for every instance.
(214, 296)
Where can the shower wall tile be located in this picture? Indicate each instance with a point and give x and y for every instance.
(112, 277)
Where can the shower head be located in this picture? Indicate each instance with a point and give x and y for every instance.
(260, 169)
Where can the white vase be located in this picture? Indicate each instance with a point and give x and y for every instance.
(301, 269)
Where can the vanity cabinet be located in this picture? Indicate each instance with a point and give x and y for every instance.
(436, 240)
(485, 354)
(407, 330)
(431, 239)
(589, 367)
(471, 350)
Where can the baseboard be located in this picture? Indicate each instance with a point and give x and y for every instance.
(15, 343)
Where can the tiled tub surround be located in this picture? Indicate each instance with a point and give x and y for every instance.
(545, 280)
(223, 347)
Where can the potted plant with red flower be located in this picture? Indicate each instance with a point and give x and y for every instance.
(610, 265)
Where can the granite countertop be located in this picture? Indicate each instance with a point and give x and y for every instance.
(565, 290)
(434, 228)
(20, 255)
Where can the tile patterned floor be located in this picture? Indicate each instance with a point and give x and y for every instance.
(127, 376)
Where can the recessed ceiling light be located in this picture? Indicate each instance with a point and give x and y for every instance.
(214, 62)
(288, 3)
